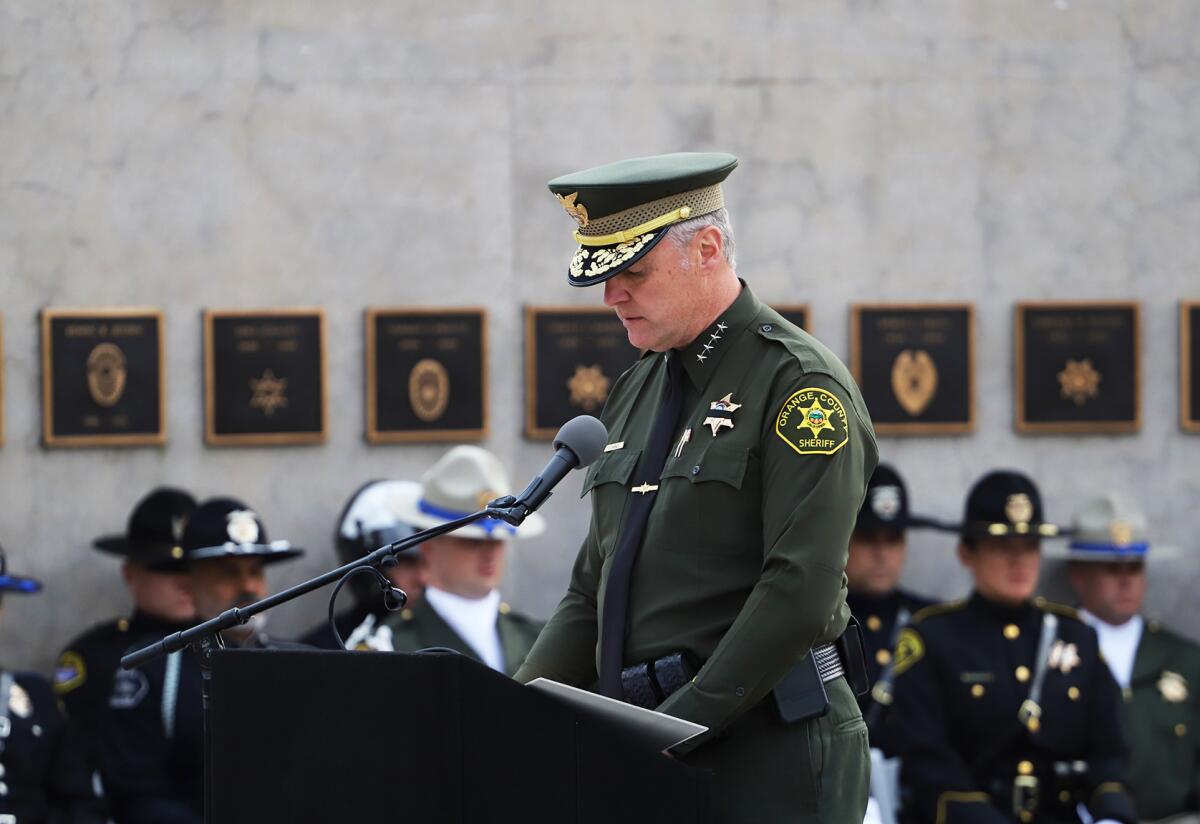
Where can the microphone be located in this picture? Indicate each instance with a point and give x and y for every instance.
(579, 442)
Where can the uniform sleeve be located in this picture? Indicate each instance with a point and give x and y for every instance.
(934, 782)
(815, 465)
(565, 650)
(70, 781)
(1108, 755)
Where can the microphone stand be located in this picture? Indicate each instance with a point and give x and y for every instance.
(205, 638)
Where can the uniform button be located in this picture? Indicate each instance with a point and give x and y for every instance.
(1073, 693)
(1012, 632)
(883, 657)
(1025, 768)
(1025, 816)
(123, 624)
(1034, 724)
(1022, 674)
(1127, 695)
(873, 623)
(37, 730)
(1180, 730)
(504, 608)
(1065, 796)
(977, 691)
(1, 770)
(739, 692)
(696, 469)
(766, 327)
(3, 789)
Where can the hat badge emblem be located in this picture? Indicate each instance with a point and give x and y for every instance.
(885, 502)
(1121, 533)
(241, 526)
(1018, 508)
(1173, 687)
(576, 210)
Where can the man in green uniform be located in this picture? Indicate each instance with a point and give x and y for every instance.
(461, 608)
(1158, 671)
(713, 568)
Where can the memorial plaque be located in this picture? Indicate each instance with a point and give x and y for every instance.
(914, 363)
(797, 313)
(1077, 367)
(1, 381)
(1189, 365)
(264, 377)
(573, 355)
(102, 377)
(426, 375)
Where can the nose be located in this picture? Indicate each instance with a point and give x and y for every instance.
(615, 291)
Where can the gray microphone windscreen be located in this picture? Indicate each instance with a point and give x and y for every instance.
(585, 436)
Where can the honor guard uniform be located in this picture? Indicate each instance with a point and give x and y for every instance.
(154, 563)
(368, 522)
(152, 747)
(1004, 709)
(462, 609)
(1158, 671)
(711, 583)
(881, 606)
(45, 774)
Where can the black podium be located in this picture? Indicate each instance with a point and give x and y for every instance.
(301, 736)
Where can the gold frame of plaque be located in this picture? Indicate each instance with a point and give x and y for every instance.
(211, 436)
(1, 380)
(49, 436)
(532, 430)
(446, 435)
(806, 308)
(917, 427)
(1069, 427)
(1189, 418)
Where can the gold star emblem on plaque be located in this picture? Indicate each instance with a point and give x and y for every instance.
(1173, 687)
(589, 387)
(576, 210)
(1079, 380)
(717, 422)
(815, 418)
(270, 393)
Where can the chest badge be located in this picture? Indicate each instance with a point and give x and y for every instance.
(1064, 657)
(720, 413)
(19, 703)
(1173, 687)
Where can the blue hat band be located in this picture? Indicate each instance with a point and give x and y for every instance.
(1138, 550)
(10, 583)
(488, 525)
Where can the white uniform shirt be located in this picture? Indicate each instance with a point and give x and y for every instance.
(473, 620)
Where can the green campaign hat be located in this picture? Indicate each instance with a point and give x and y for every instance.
(624, 209)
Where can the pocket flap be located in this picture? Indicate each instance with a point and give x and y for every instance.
(716, 462)
(612, 467)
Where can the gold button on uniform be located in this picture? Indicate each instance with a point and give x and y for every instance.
(1026, 816)
(1012, 632)
(873, 623)
(1034, 724)
(1064, 796)
(1181, 730)
(883, 657)
(977, 691)
(123, 624)
(1022, 674)
(1073, 693)
(1025, 768)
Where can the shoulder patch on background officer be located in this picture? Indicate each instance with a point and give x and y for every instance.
(129, 688)
(813, 422)
(70, 672)
(909, 650)
(938, 609)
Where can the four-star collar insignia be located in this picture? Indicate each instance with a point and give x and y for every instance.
(702, 356)
(720, 413)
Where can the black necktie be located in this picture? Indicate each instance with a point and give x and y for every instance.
(616, 593)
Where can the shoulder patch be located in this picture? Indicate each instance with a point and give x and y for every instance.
(813, 422)
(70, 672)
(909, 650)
(129, 688)
(938, 609)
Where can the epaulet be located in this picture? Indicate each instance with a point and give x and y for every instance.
(935, 610)
(1058, 609)
(512, 615)
(800, 345)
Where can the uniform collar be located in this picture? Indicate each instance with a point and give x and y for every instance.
(701, 356)
(1002, 612)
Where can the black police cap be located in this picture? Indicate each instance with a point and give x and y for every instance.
(1005, 503)
(155, 531)
(227, 528)
(886, 504)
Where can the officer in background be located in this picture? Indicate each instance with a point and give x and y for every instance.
(739, 451)
(45, 774)
(1158, 671)
(1004, 709)
(369, 521)
(877, 551)
(152, 749)
(153, 573)
(462, 609)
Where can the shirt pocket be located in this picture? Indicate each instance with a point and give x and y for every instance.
(711, 511)
(608, 481)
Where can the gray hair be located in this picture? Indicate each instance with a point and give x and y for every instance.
(681, 234)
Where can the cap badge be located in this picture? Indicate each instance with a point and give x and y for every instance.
(241, 526)
(1121, 533)
(576, 210)
(885, 502)
(1064, 657)
(178, 522)
(1018, 508)
(720, 413)
(1173, 686)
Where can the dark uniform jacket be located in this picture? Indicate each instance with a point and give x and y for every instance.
(881, 618)
(742, 559)
(44, 768)
(346, 621)
(421, 627)
(1162, 723)
(962, 672)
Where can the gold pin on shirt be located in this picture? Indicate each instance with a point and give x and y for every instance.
(724, 409)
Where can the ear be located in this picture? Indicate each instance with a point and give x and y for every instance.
(965, 556)
(709, 246)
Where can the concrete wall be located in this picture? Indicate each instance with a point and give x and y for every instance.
(198, 153)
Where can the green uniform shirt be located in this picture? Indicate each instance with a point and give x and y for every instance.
(421, 627)
(742, 560)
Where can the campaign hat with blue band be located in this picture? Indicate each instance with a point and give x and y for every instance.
(623, 209)
(463, 481)
(227, 528)
(16, 583)
(154, 534)
(1110, 529)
